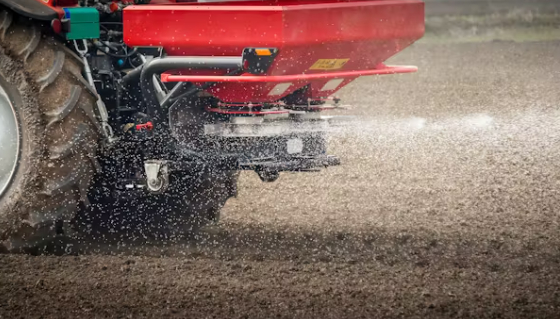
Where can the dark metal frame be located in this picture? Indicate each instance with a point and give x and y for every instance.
(145, 73)
(32, 9)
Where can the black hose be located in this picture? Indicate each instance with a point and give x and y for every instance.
(114, 55)
(170, 63)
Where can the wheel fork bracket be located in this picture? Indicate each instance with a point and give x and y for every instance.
(157, 176)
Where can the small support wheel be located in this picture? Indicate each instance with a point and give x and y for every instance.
(157, 176)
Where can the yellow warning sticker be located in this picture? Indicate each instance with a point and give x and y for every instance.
(329, 64)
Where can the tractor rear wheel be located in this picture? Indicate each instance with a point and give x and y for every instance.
(48, 136)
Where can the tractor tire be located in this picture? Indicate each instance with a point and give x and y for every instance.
(57, 136)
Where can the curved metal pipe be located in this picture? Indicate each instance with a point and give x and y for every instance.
(144, 75)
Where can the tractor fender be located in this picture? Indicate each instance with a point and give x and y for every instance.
(34, 9)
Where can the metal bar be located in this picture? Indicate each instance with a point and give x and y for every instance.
(246, 78)
(181, 93)
(293, 165)
(170, 63)
(237, 112)
(281, 127)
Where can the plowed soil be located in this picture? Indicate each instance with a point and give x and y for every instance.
(446, 205)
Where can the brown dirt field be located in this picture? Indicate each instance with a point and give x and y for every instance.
(480, 7)
(446, 205)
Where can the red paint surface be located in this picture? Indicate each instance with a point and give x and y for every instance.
(365, 32)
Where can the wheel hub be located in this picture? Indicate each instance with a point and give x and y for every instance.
(9, 141)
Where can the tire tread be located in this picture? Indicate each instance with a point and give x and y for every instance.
(64, 127)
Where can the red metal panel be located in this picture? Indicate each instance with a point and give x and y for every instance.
(202, 30)
(367, 33)
(362, 33)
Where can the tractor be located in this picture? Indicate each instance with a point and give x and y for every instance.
(123, 105)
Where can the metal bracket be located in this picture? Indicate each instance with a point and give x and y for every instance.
(157, 176)
(101, 109)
